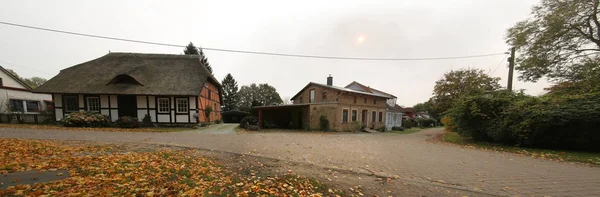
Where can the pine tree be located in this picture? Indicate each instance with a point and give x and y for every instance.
(191, 49)
(230, 89)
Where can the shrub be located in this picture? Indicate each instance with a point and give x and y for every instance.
(448, 124)
(217, 121)
(550, 121)
(407, 123)
(425, 122)
(147, 121)
(323, 123)
(357, 126)
(85, 119)
(128, 122)
(248, 121)
(397, 129)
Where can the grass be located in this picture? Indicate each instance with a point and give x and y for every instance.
(556, 155)
(113, 129)
(407, 131)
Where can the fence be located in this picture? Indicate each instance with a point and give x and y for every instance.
(25, 118)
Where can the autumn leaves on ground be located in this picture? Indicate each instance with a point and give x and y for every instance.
(123, 170)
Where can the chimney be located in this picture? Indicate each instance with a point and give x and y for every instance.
(330, 80)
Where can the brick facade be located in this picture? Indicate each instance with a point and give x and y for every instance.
(332, 102)
(209, 96)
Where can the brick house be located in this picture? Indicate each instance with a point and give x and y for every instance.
(343, 107)
(168, 88)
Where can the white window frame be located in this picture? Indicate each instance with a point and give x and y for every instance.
(158, 106)
(357, 118)
(87, 102)
(347, 115)
(311, 96)
(178, 108)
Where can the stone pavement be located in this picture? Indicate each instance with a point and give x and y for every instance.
(410, 157)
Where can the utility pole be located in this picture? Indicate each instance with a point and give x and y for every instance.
(511, 67)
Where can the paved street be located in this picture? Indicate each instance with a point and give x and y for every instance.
(408, 156)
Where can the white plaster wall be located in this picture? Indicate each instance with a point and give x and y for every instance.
(141, 102)
(59, 114)
(152, 100)
(182, 118)
(114, 114)
(113, 101)
(104, 101)
(162, 118)
(57, 100)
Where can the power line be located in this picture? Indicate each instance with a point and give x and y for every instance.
(251, 52)
(504, 58)
(21, 66)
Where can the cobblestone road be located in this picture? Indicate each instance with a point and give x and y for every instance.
(410, 156)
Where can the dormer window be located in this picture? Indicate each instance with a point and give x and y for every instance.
(124, 79)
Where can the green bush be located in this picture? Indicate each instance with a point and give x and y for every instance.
(550, 121)
(397, 129)
(128, 122)
(323, 123)
(407, 123)
(85, 119)
(425, 122)
(248, 121)
(147, 121)
(217, 121)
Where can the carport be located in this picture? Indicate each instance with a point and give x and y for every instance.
(294, 116)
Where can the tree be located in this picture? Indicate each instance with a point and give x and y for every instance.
(257, 95)
(560, 35)
(458, 83)
(191, 49)
(428, 108)
(230, 93)
(32, 82)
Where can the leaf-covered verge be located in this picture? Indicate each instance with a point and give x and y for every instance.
(569, 156)
(109, 170)
(111, 129)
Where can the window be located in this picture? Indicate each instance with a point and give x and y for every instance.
(354, 99)
(380, 116)
(33, 106)
(16, 105)
(374, 101)
(373, 116)
(181, 105)
(344, 115)
(93, 104)
(208, 94)
(354, 115)
(71, 103)
(1, 84)
(24, 106)
(312, 96)
(163, 105)
(215, 109)
(324, 96)
(365, 100)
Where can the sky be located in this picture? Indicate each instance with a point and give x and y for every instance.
(348, 28)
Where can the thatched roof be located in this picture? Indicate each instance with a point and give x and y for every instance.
(133, 73)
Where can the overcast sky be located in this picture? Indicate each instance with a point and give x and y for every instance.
(389, 29)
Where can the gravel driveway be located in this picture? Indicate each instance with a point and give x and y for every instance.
(409, 157)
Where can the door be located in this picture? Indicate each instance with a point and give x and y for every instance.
(127, 105)
(364, 118)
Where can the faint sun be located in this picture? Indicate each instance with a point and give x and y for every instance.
(360, 39)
